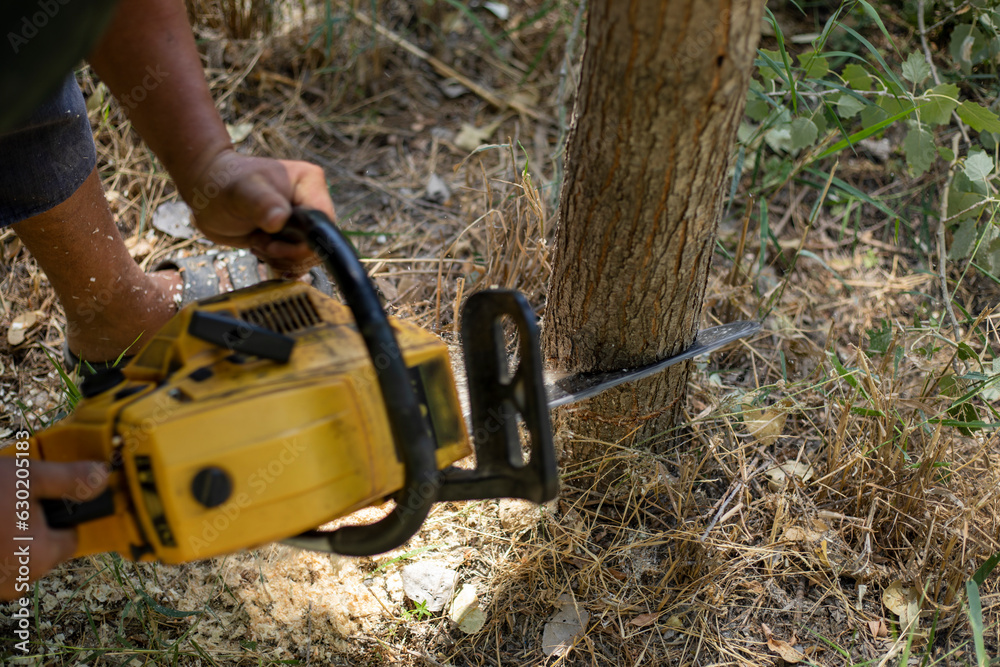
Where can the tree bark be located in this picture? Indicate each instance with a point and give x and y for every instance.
(662, 91)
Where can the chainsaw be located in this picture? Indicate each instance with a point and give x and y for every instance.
(257, 415)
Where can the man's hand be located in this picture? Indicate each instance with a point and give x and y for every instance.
(240, 201)
(72, 481)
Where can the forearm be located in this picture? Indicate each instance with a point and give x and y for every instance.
(149, 61)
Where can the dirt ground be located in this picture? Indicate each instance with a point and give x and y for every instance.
(808, 507)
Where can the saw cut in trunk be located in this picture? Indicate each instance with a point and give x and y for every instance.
(662, 91)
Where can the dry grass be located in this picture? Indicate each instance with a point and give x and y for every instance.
(690, 553)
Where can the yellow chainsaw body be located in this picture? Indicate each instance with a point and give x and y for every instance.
(286, 446)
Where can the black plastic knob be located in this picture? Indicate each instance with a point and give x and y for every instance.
(211, 486)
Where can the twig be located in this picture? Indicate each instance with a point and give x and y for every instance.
(728, 498)
(446, 70)
(738, 256)
(930, 63)
(945, 294)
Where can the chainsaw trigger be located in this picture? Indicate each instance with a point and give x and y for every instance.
(239, 336)
(68, 513)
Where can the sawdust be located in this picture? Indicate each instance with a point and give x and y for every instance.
(294, 594)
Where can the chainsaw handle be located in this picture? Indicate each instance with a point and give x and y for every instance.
(414, 445)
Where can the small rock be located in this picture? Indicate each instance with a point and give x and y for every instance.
(174, 218)
(501, 10)
(452, 88)
(429, 582)
(437, 190)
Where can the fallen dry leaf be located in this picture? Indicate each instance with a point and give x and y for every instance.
(562, 630)
(470, 137)
(466, 612)
(896, 597)
(878, 628)
(19, 328)
(764, 426)
(777, 475)
(785, 650)
(642, 620)
(904, 602)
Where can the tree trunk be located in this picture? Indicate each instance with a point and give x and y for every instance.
(662, 92)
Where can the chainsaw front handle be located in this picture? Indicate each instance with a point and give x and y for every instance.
(414, 444)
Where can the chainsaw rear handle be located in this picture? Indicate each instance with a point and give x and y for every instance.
(413, 442)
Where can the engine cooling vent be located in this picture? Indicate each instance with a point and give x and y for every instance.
(285, 315)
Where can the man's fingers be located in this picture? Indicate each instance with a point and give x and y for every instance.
(80, 481)
(259, 201)
(60, 545)
(310, 188)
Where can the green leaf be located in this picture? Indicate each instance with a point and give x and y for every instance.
(786, 61)
(857, 77)
(965, 413)
(767, 72)
(872, 115)
(968, 46)
(963, 240)
(965, 352)
(879, 338)
(865, 133)
(844, 373)
(916, 69)
(757, 106)
(779, 138)
(991, 250)
(978, 117)
(167, 611)
(940, 102)
(962, 183)
(966, 200)
(803, 133)
(851, 191)
(815, 65)
(919, 150)
(978, 166)
(976, 623)
(946, 154)
(873, 15)
(893, 104)
(893, 79)
(849, 106)
(990, 141)
(986, 569)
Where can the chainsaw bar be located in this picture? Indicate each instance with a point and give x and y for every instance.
(580, 386)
